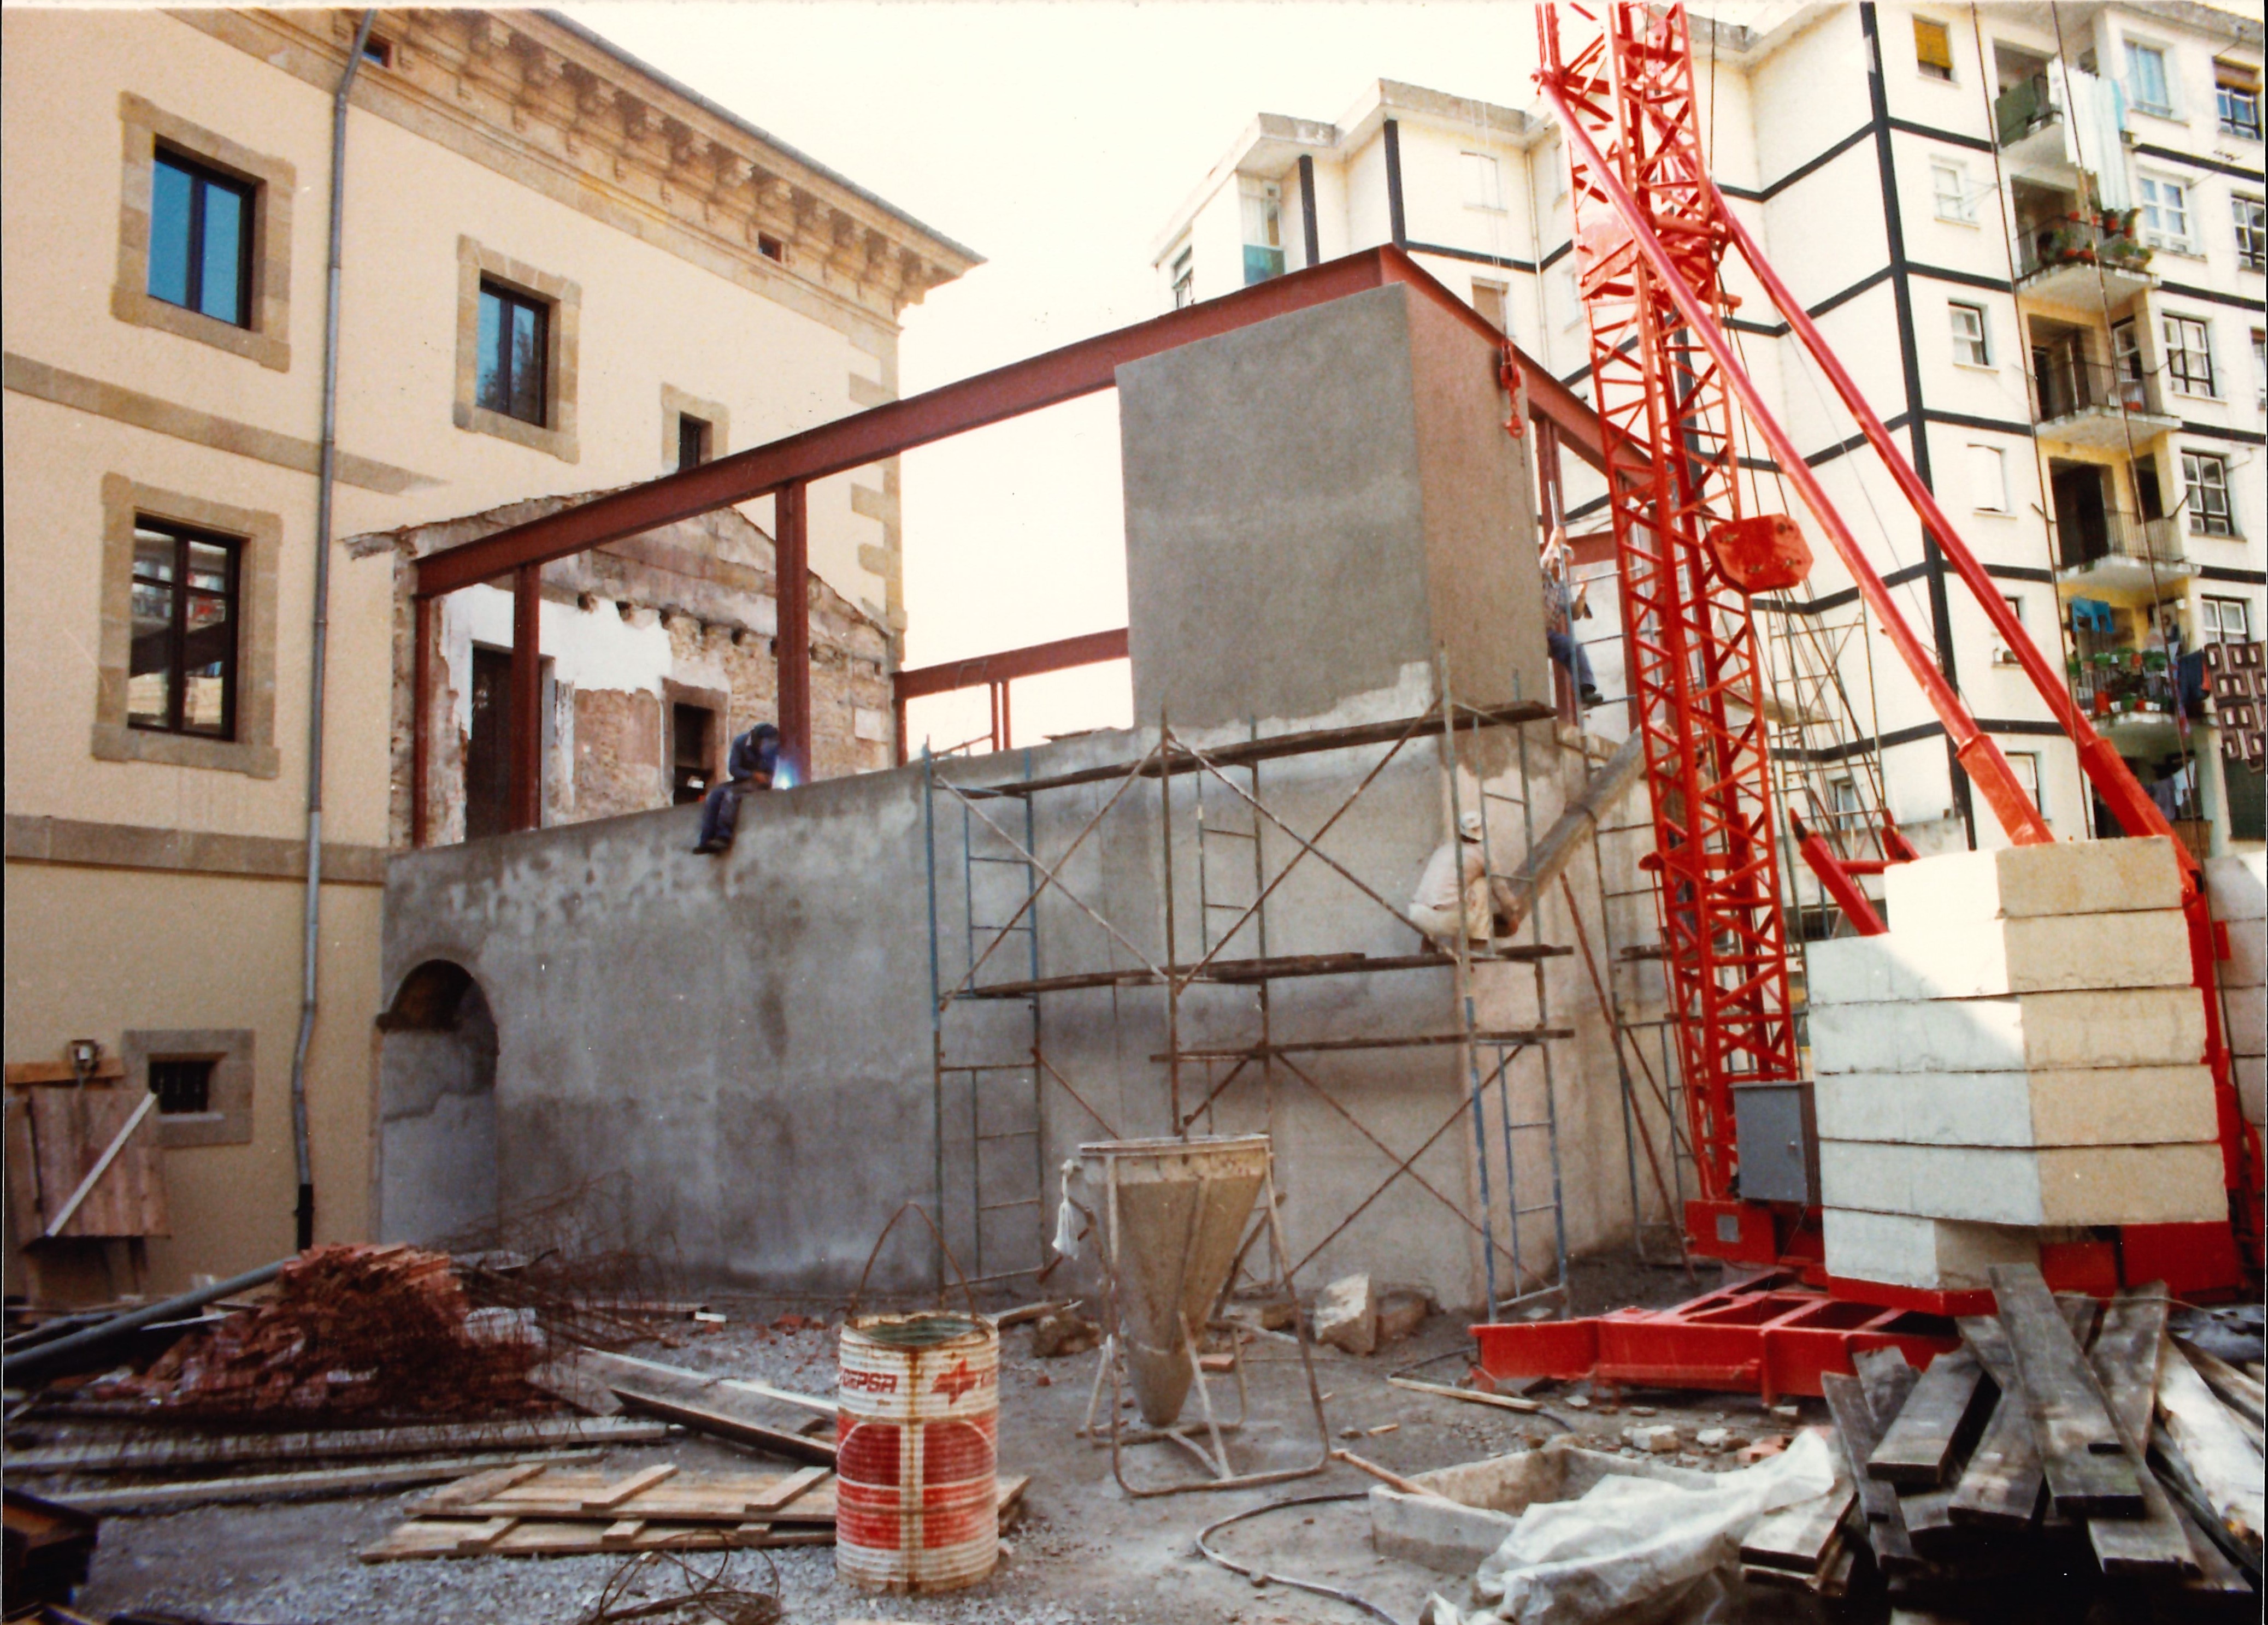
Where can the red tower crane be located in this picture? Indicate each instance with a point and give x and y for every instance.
(1651, 233)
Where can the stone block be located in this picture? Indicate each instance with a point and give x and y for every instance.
(1346, 1315)
(2084, 1105)
(2248, 1022)
(1901, 1249)
(2038, 1032)
(2067, 877)
(2252, 1077)
(2238, 885)
(2064, 1185)
(1930, 959)
(2247, 964)
(1659, 1439)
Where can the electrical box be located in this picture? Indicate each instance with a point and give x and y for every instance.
(1779, 1141)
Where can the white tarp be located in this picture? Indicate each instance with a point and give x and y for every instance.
(1637, 1551)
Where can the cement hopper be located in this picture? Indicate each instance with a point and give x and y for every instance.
(1174, 1214)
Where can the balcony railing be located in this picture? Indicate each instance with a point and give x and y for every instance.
(2107, 240)
(2065, 386)
(2116, 535)
(2024, 106)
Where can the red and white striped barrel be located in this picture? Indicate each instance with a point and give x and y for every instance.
(916, 1452)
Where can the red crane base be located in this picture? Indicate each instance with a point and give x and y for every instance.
(1770, 1335)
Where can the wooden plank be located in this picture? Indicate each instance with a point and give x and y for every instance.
(2221, 1459)
(1886, 1379)
(2217, 1577)
(612, 1495)
(783, 1491)
(2124, 1360)
(144, 1455)
(1854, 1425)
(2087, 1470)
(1803, 1537)
(22, 1074)
(478, 1487)
(1470, 1396)
(623, 1532)
(2234, 1388)
(1941, 1418)
(733, 1429)
(479, 1537)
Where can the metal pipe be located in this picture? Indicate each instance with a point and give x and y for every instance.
(319, 654)
(27, 1365)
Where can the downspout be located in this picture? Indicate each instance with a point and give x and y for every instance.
(326, 480)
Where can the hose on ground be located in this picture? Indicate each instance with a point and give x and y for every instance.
(1261, 1576)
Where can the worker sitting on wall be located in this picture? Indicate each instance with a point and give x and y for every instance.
(1563, 605)
(750, 764)
(1457, 871)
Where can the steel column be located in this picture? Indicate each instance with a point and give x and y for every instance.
(421, 724)
(791, 560)
(526, 809)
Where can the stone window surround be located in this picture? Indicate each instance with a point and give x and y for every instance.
(716, 414)
(229, 1122)
(273, 181)
(556, 436)
(253, 750)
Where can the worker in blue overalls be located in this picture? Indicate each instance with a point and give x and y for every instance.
(750, 764)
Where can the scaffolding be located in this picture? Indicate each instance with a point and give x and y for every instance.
(1219, 986)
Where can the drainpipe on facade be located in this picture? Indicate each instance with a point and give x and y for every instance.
(326, 481)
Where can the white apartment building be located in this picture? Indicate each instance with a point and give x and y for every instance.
(2034, 234)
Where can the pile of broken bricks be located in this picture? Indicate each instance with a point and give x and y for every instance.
(2064, 1437)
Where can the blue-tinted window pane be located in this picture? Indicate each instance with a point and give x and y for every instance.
(526, 365)
(221, 292)
(490, 387)
(169, 232)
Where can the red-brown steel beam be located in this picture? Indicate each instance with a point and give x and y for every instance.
(1049, 379)
(999, 669)
(791, 557)
(527, 789)
(421, 725)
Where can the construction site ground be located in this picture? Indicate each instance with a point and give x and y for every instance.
(1081, 1552)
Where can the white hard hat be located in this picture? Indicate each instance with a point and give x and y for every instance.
(1470, 826)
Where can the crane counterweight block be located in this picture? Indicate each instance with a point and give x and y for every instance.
(1761, 552)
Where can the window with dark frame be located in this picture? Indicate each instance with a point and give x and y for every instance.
(200, 238)
(1932, 48)
(2251, 220)
(515, 334)
(2204, 483)
(183, 1085)
(182, 675)
(694, 437)
(2236, 98)
(377, 51)
(772, 247)
(2226, 619)
(2189, 355)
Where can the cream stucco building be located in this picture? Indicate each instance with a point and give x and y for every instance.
(562, 273)
(2088, 404)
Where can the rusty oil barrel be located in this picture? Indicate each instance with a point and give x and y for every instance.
(917, 1440)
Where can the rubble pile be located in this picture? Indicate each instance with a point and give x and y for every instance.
(359, 1331)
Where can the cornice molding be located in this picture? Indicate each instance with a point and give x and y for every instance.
(529, 97)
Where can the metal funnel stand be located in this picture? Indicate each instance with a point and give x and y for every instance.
(1176, 1222)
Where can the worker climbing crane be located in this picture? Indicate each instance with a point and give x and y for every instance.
(1652, 234)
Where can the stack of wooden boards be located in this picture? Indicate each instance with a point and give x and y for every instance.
(2066, 1439)
(535, 1511)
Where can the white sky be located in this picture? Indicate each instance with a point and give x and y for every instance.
(1055, 139)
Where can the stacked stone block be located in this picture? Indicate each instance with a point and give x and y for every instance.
(2240, 902)
(2021, 1054)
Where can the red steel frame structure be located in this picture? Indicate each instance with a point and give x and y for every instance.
(783, 468)
(1696, 678)
(1652, 230)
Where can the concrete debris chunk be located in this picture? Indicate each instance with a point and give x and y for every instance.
(1346, 1315)
(1063, 1333)
(1401, 1310)
(1657, 1439)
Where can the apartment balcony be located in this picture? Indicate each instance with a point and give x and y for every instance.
(2028, 123)
(2133, 699)
(2096, 265)
(2120, 552)
(2085, 403)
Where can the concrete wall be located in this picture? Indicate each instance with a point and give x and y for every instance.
(747, 1041)
(1314, 504)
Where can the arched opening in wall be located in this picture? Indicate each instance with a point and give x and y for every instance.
(436, 1130)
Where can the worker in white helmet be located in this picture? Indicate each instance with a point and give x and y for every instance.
(1455, 875)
